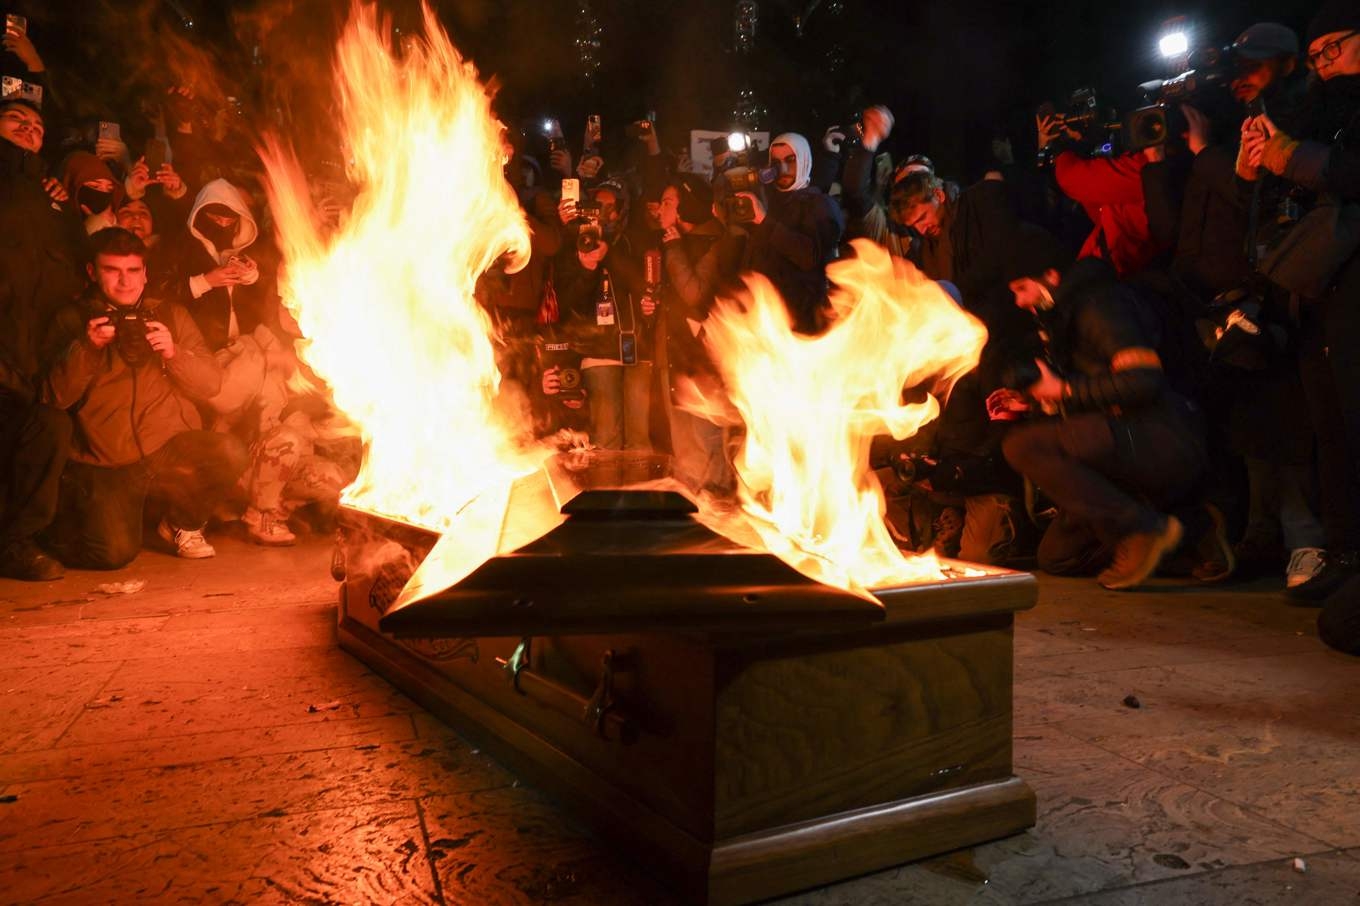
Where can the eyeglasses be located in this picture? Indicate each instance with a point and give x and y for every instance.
(1331, 50)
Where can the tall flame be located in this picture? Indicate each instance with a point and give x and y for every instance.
(812, 405)
(386, 303)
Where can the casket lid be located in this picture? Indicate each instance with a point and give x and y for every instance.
(630, 561)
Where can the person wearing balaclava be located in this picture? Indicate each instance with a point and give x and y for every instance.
(93, 190)
(1322, 156)
(225, 288)
(795, 234)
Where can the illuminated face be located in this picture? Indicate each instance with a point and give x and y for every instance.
(924, 217)
(1335, 54)
(609, 207)
(22, 126)
(121, 278)
(784, 158)
(135, 217)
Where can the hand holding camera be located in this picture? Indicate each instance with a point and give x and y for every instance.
(751, 210)
(170, 181)
(1200, 132)
(108, 148)
(99, 331)
(237, 271)
(1250, 151)
(1006, 405)
(18, 43)
(159, 338)
(56, 190)
(560, 162)
(1052, 127)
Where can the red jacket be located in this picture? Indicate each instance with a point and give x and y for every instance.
(1111, 191)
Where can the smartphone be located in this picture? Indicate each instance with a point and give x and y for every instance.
(571, 190)
(155, 154)
(111, 130)
(594, 133)
(16, 24)
(628, 347)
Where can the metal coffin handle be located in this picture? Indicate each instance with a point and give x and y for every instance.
(599, 711)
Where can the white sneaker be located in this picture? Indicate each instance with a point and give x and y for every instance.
(189, 543)
(1304, 564)
(270, 530)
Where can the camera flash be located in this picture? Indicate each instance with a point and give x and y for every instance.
(737, 142)
(1174, 44)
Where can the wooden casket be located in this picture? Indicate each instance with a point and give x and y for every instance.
(737, 727)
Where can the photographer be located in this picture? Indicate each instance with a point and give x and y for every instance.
(1111, 192)
(794, 233)
(599, 293)
(1320, 264)
(1125, 447)
(130, 370)
(701, 258)
(1250, 385)
(38, 264)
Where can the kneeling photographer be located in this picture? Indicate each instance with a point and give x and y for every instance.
(131, 371)
(1100, 429)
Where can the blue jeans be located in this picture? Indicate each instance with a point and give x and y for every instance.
(619, 397)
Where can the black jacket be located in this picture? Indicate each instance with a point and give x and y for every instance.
(40, 250)
(792, 246)
(699, 265)
(1094, 320)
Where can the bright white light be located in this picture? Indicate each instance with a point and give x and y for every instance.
(737, 142)
(1174, 44)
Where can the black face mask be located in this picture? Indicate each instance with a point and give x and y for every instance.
(96, 201)
(221, 237)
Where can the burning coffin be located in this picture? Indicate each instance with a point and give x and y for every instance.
(739, 727)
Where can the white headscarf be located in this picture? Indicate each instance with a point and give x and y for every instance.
(803, 152)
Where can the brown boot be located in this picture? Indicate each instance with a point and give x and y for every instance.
(1136, 556)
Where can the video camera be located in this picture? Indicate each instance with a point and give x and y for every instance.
(738, 176)
(1207, 68)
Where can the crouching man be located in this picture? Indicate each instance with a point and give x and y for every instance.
(1126, 448)
(129, 370)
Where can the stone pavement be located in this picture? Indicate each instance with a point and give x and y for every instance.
(203, 740)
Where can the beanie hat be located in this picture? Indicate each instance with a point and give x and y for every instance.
(1334, 16)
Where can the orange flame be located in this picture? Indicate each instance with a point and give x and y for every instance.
(386, 303)
(812, 405)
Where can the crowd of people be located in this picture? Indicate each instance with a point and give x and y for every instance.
(1169, 388)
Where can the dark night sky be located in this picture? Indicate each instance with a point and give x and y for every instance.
(955, 72)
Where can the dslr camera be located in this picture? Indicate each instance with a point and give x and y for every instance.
(129, 335)
(589, 233)
(739, 179)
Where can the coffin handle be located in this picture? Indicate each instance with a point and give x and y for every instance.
(599, 712)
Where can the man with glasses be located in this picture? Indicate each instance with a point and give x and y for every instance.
(1323, 159)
